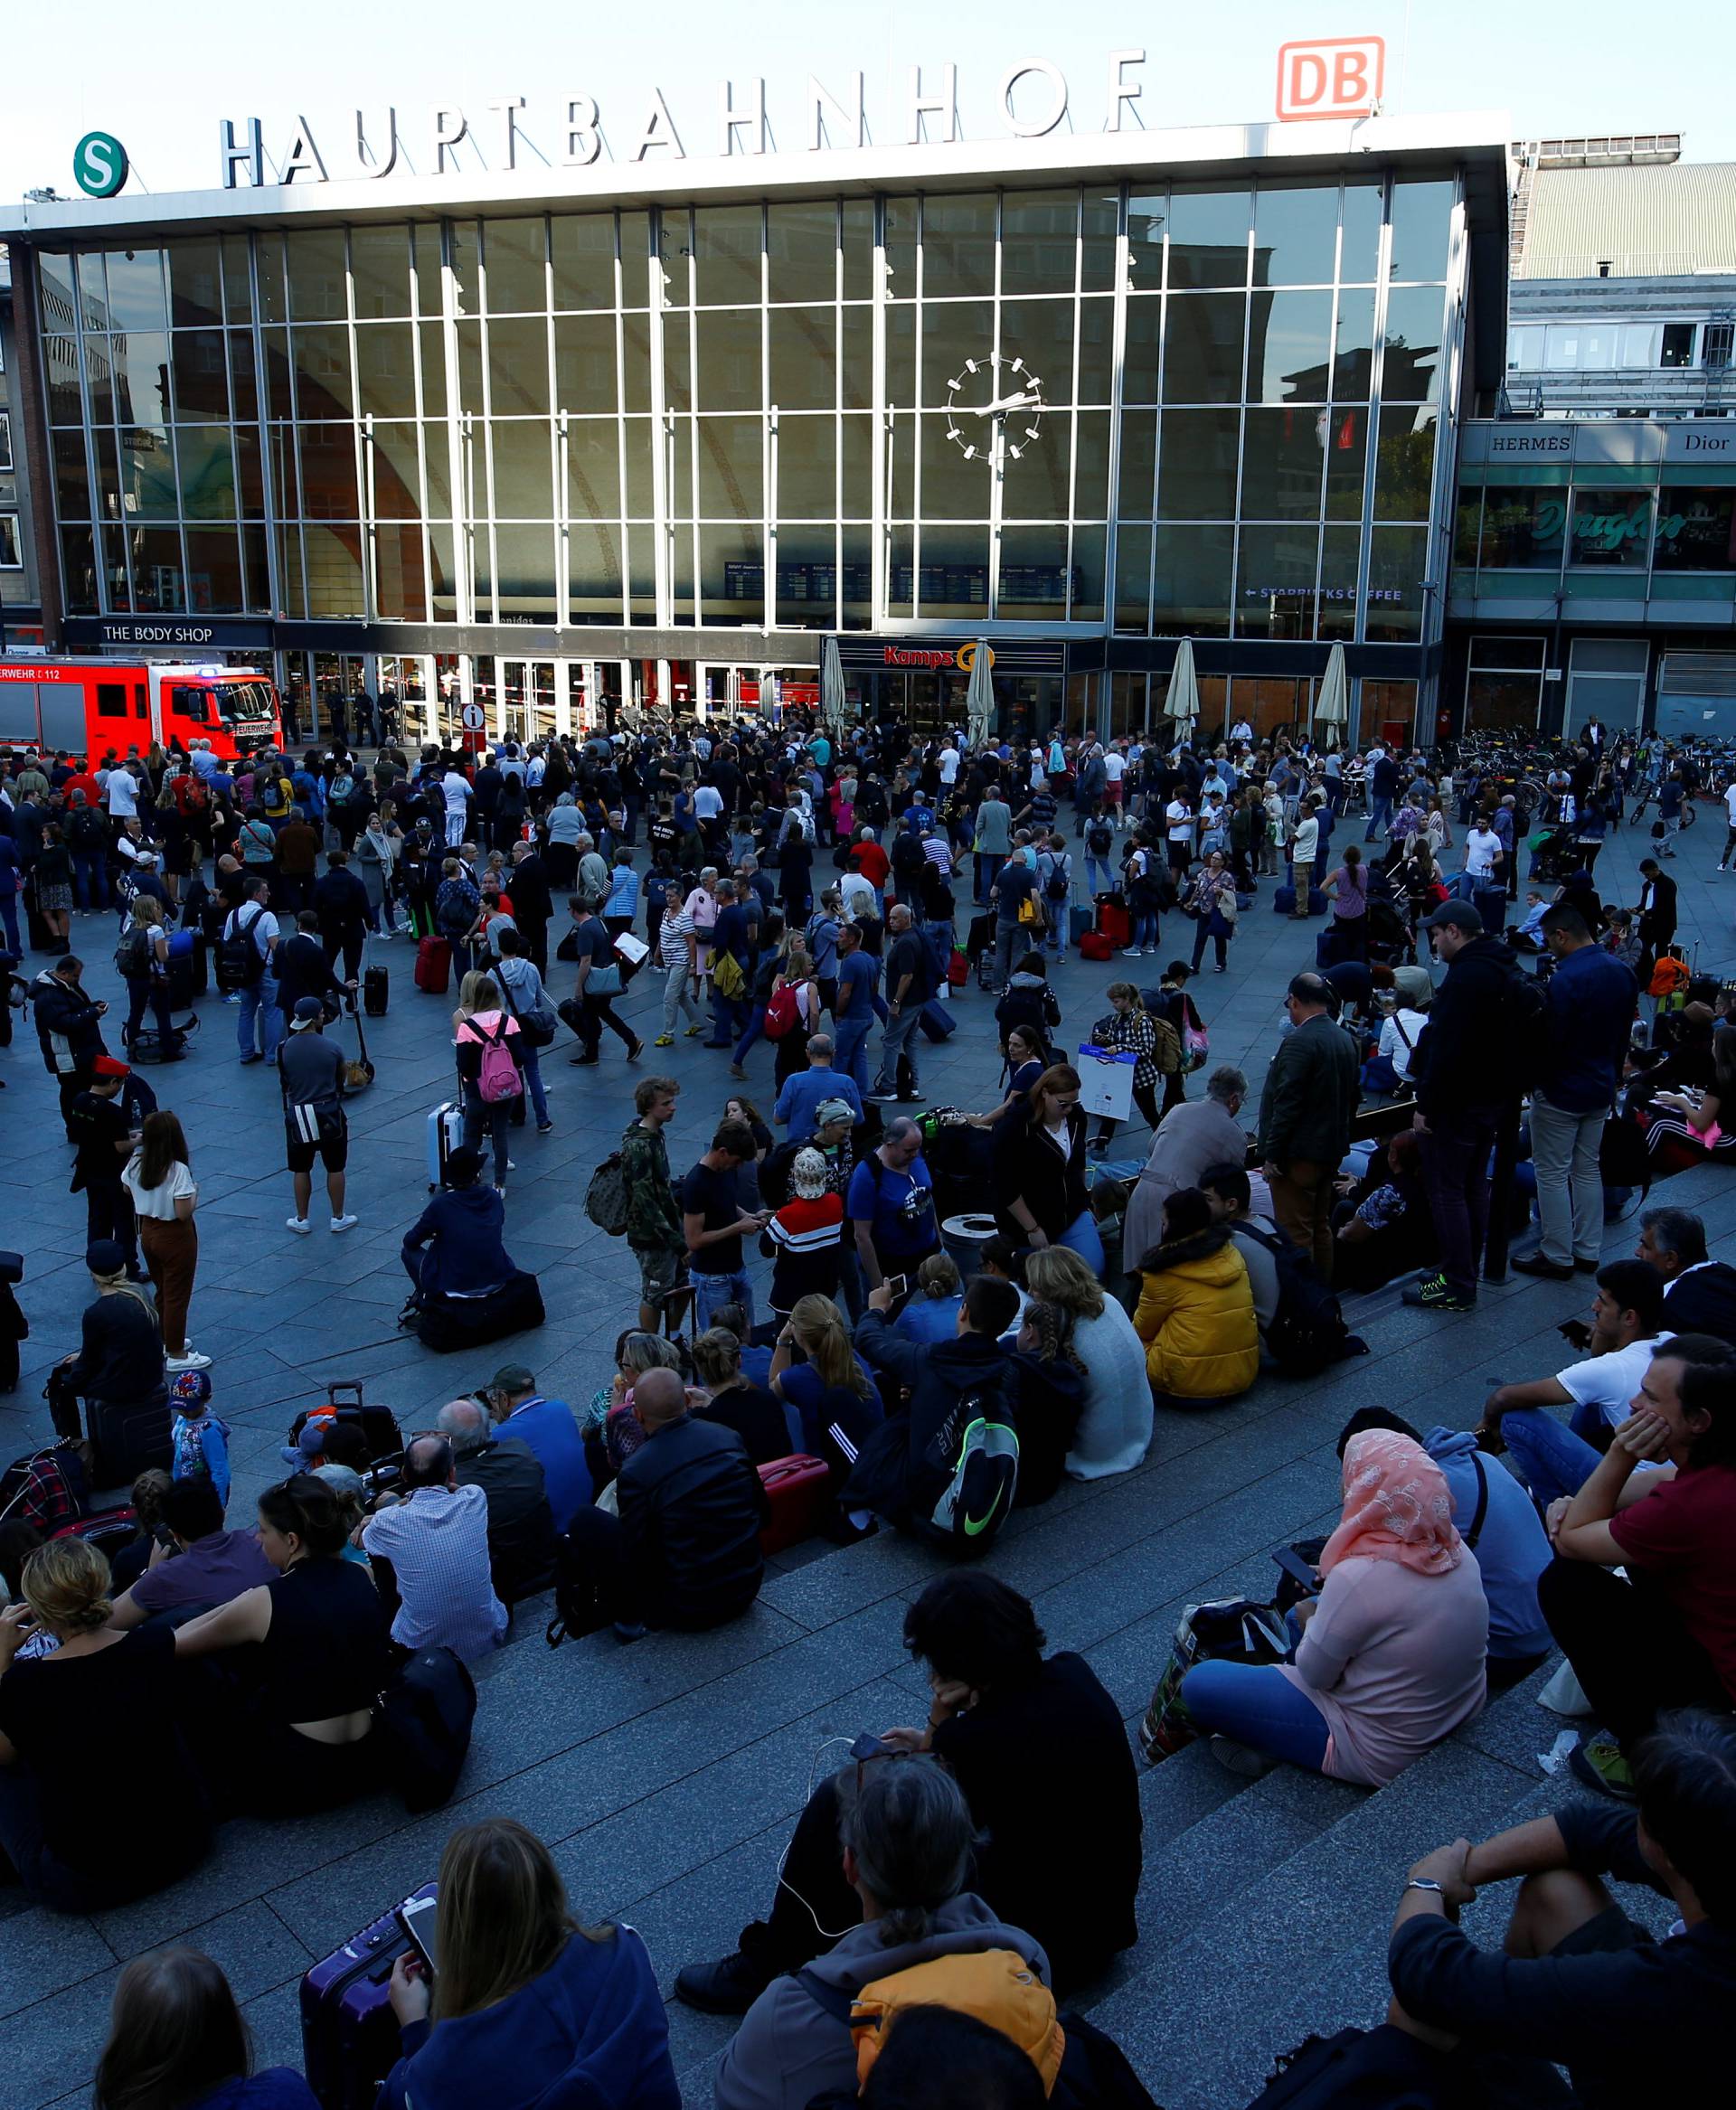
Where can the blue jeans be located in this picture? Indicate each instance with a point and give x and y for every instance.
(756, 1026)
(1080, 1237)
(90, 879)
(711, 1291)
(850, 1051)
(9, 917)
(897, 1040)
(260, 1000)
(1379, 819)
(1550, 1460)
(1257, 1705)
(490, 1117)
(1100, 875)
(1146, 934)
(533, 1085)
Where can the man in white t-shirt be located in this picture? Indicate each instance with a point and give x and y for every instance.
(1626, 1332)
(255, 923)
(1482, 850)
(1729, 831)
(949, 764)
(708, 802)
(1178, 831)
(121, 793)
(456, 787)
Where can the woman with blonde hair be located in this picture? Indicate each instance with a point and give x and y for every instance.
(1115, 1423)
(481, 1025)
(528, 2004)
(77, 1845)
(159, 1178)
(830, 1387)
(143, 957)
(734, 1402)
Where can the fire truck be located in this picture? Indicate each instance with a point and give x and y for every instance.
(92, 707)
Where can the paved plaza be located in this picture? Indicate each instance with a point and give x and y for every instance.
(666, 1776)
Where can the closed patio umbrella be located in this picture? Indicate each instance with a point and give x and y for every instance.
(1183, 702)
(832, 700)
(1332, 706)
(979, 697)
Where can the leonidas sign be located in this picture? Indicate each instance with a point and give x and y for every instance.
(1336, 77)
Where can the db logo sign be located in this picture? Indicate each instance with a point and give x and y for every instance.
(1336, 77)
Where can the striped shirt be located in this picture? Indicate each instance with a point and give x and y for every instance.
(673, 934)
(436, 1541)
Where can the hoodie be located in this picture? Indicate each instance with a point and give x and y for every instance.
(1512, 1547)
(789, 2050)
(466, 1255)
(592, 2021)
(1196, 1318)
(1460, 1065)
(277, 2087)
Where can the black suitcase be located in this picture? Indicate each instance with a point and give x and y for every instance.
(189, 975)
(129, 1440)
(375, 983)
(378, 1425)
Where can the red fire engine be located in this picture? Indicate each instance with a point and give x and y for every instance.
(92, 707)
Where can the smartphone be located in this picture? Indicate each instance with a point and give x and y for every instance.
(419, 1922)
(1297, 1569)
(868, 1746)
(896, 1285)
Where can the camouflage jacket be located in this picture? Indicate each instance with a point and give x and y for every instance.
(653, 1209)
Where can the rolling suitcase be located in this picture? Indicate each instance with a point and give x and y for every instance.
(129, 1440)
(1094, 945)
(1113, 921)
(434, 965)
(109, 1530)
(936, 1022)
(375, 985)
(349, 2036)
(444, 1134)
(189, 976)
(379, 1425)
(799, 1490)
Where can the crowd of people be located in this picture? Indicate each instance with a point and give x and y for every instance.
(942, 1380)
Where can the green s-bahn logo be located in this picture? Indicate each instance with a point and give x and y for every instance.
(100, 165)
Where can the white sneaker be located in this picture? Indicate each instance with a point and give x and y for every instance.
(1131, 952)
(191, 1360)
(298, 1224)
(344, 1223)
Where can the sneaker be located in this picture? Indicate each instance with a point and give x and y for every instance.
(728, 1987)
(736, 1070)
(882, 1098)
(545, 1127)
(1131, 952)
(1599, 1763)
(298, 1224)
(689, 1034)
(635, 1050)
(1241, 1759)
(411, 1312)
(665, 1039)
(1434, 1293)
(583, 1061)
(346, 1223)
(1539, 1264)
(191, 1360)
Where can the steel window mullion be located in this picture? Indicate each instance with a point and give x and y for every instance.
(1117, 389)
(882, 450)
(363, 448)
(1377, 375)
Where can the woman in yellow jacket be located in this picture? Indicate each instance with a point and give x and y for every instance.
(1196, 1310)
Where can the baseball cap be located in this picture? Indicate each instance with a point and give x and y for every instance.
(193, 1386)
(1454, 916)
(309, 1012)
(105, 1257)
(830, 1110)
(110, 1065)
(512, 1377)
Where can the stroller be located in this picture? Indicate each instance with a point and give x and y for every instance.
(1389, 935)
(1556, 855)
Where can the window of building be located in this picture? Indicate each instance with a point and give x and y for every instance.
(1639, 344)
(1504, 684)
(12, 557)
(1696, 528)
(1678, 345)
(1715, 344)
(1612, 529)
(1522, 528)
(1525, 348)
(5, 440)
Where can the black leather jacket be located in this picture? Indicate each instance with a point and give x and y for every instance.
(691, 1509)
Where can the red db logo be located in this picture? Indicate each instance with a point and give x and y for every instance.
(1336, 77)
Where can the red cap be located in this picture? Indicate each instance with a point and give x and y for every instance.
(110, 1065)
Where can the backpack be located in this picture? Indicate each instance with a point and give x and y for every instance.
(975, 1451)
(997, 1986)
(1099, 841)
(606, 1196)
(1308, 1333)
(426, 1714)
(497, 1076)
(133, 954)
(1524, 1028)
(1363, 2069)
(783, 1013)
(239, 961)
(1060, 882)
(343, 789)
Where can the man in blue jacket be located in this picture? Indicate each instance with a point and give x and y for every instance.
(455, 1247)
(1592, 999)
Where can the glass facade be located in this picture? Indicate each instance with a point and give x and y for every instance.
(769, 416)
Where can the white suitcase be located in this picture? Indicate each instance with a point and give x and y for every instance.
(444, 1135)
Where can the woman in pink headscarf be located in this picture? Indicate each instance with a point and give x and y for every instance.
(1389, 1655)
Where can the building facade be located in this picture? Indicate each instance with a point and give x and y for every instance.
(20, 612)
(557, 453)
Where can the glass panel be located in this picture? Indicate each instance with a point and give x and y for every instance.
(158, 578)
(1359, 250)
(952, 488)
(1147, 216)
(952, 336)
(1040, 332)
(593, 470)
(1202, 349)
(1132, 578)
(71, 476)
(1405, 466)
(201, 379)
(1091, 466)
(79, 571)
(857, 452)
(112, 563)
(524, 573)
(856, 380)
(109, 483)
(803, 358)
(726, 254)
(1275, 581)
(328, 473)
(425, 247)
(677, 364)
(214, 570)
(1467, 523)
(1296, 236)
(806, 468)
(396, 479)
(149, 490)
(322, 359)
(465, 268)
(1192, 581)
(807, 577)
(1281, 462)
(731, 575)
(334, 570)
(728, 361)
(1411, 371)
(241, 375)
(280, 441)
(901, 580)
(582, 245)
(512, 256)
(139, 364)
(1086, 602)
(380, 268)
(1340, 552)
(256, 574)
(1038, 235)
(437, 466)
(594, 571)
(1134, 493)
(1196, 465)
(1290, 342)
(802, 250)
(1422, 223)
(1611, 529)
(1696, 528)
(400, 583)
(207, 474)
(433, 350)
(315, 263)
(584, 362)
(1036, 482)
(518, 367)
(900, 248)
(1144, 330)
(858, 249)
(1397, 558)
(1346, 458)
(1033, 575)
(385, 370)
(274, 299)
(953, 580)
(1522, 528)
(292, 591)
(1353, 365)
(957, 246)
(135, 299)
(635, 280)
(522, 476)
(636, 450)
(443, 590)
(1208, 238)
(195, 283)
(1502, 702)
(857, 580)
(1095, 382)
(1099, 220)
(731, 474)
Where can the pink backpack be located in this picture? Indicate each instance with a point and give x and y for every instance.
(497, 1076)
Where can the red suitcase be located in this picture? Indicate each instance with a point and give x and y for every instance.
(1113, 921)
(799, 1490)
(1094, 945)
(349, 2037)
(434, 965)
